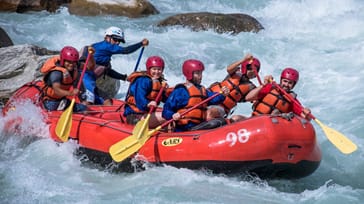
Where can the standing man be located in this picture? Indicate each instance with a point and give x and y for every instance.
(103, 53)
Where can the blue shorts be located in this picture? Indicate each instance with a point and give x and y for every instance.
(90, 90)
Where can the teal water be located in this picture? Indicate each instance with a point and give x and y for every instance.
(322, 39)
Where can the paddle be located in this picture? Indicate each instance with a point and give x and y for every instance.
(256, 74)
(128, 146)
(143, 124)
(135, 68)
(336, 138)
(138, 61)
(64, 124)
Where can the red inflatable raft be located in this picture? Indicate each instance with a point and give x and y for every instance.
(269, 146)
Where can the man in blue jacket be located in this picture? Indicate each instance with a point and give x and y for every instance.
(188, 94)
(103, 52)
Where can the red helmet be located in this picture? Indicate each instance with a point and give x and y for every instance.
(247, 65)
(291, 74)
(154, 61)
(70, 54)
(191, 65)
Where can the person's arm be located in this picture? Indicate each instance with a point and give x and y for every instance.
(232, 68)
(140, 89)
(298, 109)
(55, 79)
(260, 91)
(176, 100)
(91, 63)
(217, 100)
(117, 49)
(116, 75)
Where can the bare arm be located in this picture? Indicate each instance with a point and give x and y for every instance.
(232, 68)
(61, 92)
(91, 63)
(253, 94)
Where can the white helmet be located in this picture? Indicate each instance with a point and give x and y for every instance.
(115, 32)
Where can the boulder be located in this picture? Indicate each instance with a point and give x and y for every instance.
(22, 6)
(5, 40)
(131, 8)
(20, 64)
(220, 23)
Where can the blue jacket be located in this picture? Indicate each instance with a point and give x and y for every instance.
(140, 89)
(104, 50)
(179, 98)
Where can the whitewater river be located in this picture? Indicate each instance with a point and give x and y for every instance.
(324, 40)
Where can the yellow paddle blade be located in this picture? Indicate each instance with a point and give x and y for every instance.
(125, 148)
(128, 146)
(64, 124)
(343, 143)
(141, 126)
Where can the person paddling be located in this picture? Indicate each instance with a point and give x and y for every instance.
(60, 73)
(144, 88)
(238, 81)
(188, 94)
(270, 100)
(103, 53)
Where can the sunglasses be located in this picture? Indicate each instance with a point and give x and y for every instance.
(116, 40)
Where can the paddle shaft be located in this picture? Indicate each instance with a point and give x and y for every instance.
(257, 75)
(158, 98)
(191, 109)
(290, 97)
(83, 71)
(138, 61)
(339, 140)
(64, 124)
(135, 68)
(128, 146)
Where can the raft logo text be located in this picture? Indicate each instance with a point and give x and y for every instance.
(173, 141)
(241, 136)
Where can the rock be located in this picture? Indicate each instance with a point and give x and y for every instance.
(20, 64)
(31, 5)
(131, 8)
(5, 40)
(220, 23)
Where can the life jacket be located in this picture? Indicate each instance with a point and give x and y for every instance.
(239, 87)
(68, 78)
(156, 86)
(198, 114)
(274, 100)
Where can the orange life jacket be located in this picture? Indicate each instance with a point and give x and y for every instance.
(198, 114)
(239, 87)
(156, 86)
(67, 79)
(274, 100)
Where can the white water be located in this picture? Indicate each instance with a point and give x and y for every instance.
(324, 40)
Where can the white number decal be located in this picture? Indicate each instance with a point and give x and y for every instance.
(241, 136)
